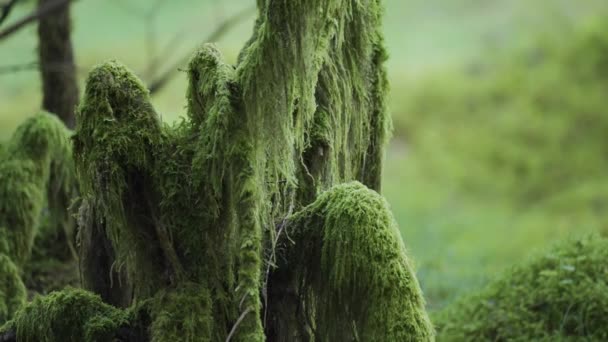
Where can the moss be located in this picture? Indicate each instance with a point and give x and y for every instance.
(191, 210)
(12, 291)
(557, 296)
(36, 186)
(352, 271)
(71, 315)
(116, 137)
(183, 314)
(35, 172)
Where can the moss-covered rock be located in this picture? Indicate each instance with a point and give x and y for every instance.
(561, 295)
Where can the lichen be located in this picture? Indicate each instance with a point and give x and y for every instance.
(559, 295)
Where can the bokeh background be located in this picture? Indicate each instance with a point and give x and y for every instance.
(500, 112)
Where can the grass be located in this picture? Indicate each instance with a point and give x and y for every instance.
(458, 240)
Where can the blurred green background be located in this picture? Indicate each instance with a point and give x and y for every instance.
(499, 110)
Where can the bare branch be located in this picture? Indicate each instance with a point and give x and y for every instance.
(219, 32)
(35, 66)
(6, 10)
(40, 12)
(238, 322)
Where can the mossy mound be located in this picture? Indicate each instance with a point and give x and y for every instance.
(72, 315)
(348, 266)
(561, 295)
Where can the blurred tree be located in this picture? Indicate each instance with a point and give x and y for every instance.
(56, 58)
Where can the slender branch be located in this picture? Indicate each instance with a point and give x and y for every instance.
(220, 31)
(236, 325)
(6, 10)
(35, 66)
(40, 12)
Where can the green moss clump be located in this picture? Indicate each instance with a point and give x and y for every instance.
(35, 172)
(561, 295)
(352, 272)
(36, 187)
(71, 315)
(183, 314)
(13, 294)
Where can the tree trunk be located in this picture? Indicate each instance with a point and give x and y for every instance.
(59, 83)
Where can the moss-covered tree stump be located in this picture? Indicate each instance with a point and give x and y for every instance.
(36, 187)
(256, 218)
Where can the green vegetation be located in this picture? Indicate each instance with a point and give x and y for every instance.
(191, 216)
(212, 225)
(503, 158)
(365, 278)
(36, 173)
(36, 170)
(71, 315)
(561, 295)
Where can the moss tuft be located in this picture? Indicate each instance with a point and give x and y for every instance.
(352, 272)
(71, 315)
(35, 172)
(13, 294)
(558, 296)
(183, 314)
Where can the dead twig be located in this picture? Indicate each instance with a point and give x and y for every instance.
(35, 66)
(38, 13)
(6, 10)
(220, 31)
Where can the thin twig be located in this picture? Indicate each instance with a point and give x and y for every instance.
(35, 66)
(220, 31)
(238, 322)
(41, 11)
(6, 10)
(272, 260)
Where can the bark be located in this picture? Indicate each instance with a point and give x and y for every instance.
(59, 85)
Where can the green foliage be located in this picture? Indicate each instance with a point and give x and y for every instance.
(72, 315)
(506, 126)
(561, 295)
(501, 158)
